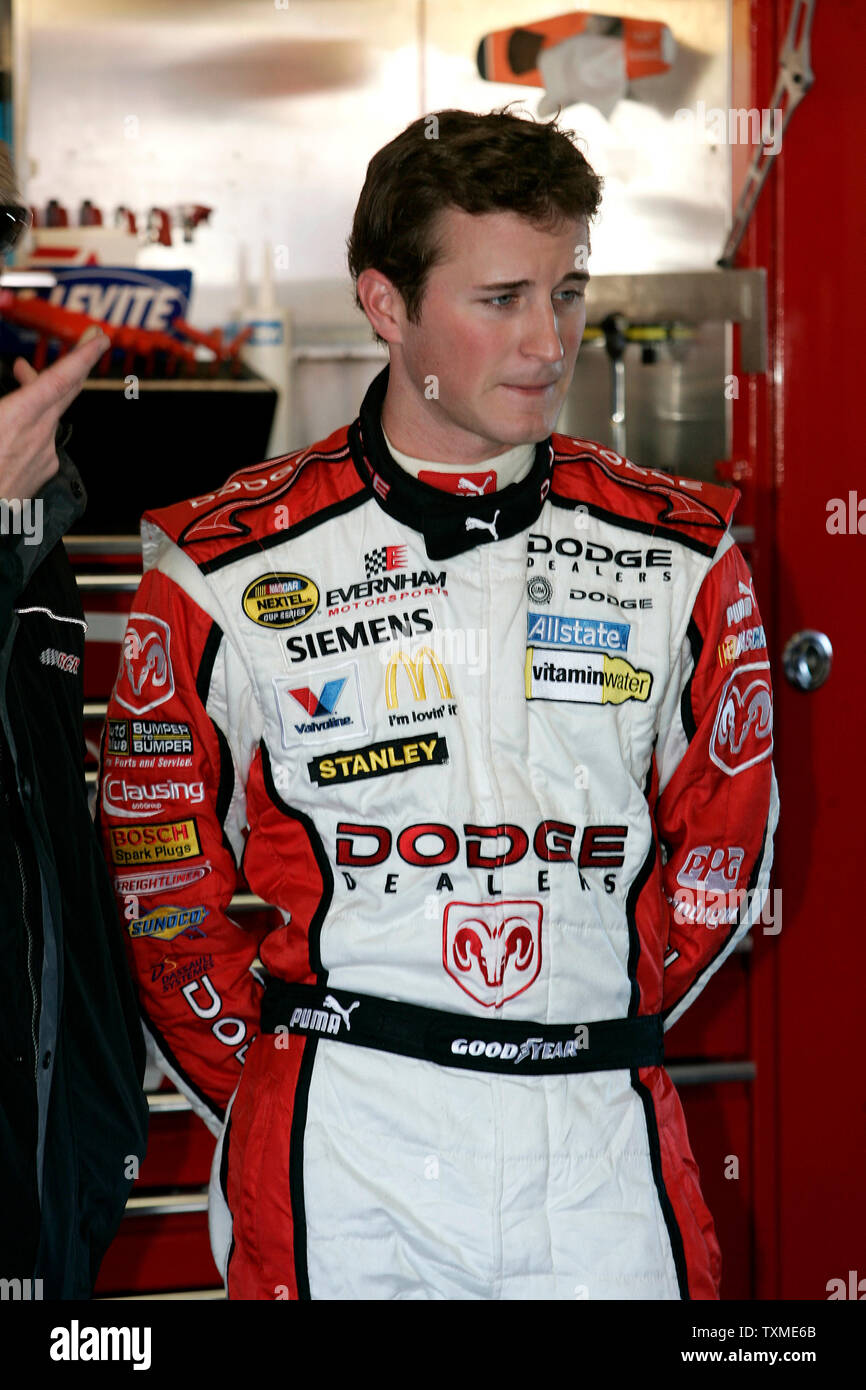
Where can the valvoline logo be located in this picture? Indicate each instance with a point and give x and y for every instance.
(314, 713)
(123, 295)
(323, 703)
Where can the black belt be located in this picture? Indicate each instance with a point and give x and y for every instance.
(457, 1040)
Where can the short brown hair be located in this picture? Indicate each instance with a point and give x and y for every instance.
(492, 163)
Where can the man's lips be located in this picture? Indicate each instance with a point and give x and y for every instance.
(537, 390)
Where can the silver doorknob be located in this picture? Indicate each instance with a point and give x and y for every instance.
(807, 658)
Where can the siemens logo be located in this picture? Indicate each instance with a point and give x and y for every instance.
(367, 632)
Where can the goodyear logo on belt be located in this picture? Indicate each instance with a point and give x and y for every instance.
(280, 600)
(167, 922)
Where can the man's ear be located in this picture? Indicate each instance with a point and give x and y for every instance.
(383, 304)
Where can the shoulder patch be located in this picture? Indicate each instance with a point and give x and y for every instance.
(262, 498)
(588, 472)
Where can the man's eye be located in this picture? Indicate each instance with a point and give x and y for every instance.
(572, 295)
(497, 300)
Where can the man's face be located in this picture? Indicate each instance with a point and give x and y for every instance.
(500, 326)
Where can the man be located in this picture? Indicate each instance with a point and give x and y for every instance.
(466, 701)
(73, 1119)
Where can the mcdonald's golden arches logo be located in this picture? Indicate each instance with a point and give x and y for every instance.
(414, 668)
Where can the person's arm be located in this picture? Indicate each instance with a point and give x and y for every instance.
(718, 805)
(173, 832)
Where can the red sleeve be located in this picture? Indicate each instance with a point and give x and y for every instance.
(718, 805)
(171, 815)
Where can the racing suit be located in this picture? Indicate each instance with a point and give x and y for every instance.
(502, 763)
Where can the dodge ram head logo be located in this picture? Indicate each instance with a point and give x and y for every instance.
(492, 950)
(743, 732)
(145, 678)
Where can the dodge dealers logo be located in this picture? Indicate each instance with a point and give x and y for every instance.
(492, 950)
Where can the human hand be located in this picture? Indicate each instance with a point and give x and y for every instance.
(29, 416)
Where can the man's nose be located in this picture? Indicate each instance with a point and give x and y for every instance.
(541, 337)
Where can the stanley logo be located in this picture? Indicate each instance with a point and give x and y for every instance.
(280, 600)
(378, 759)
(414, 668)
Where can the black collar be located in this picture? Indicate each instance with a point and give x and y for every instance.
(442, 517)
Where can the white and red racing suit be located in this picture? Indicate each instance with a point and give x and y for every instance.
(503, 765)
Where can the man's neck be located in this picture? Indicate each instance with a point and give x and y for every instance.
(491, 476)
(423, 447)
(417, 429)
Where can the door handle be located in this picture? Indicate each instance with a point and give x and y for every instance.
(807, 659)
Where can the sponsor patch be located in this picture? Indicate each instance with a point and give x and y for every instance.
(379, 759)
(597, 596)
(413, 665)
(145, 678)
(366, 632)
(587, 678)
(165, 923)
(594, 634)
(154, 844)
(123, 798)
(743, 607)
(330, 1018)
(716, 869)
(50, 656)
(173, 974)
(389, 587)
(384, 557)
(535, 1049)
(492, 950)
(743, 729)
(539, 589)
(734, 644)
(145, 737)
(462, 484)
(158, 880)
(313, 710)
(280, 600)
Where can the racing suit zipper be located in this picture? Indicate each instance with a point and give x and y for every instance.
(496, 883)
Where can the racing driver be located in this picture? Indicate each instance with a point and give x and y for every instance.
(484, 711)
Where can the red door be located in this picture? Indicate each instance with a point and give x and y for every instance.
(800, 426)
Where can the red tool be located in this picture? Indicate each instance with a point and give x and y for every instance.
(53, 321)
